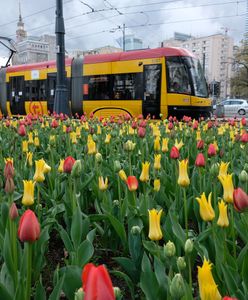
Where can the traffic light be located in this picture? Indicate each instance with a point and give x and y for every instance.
(214, 88)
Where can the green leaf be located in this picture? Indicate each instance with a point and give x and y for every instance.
(85, 252)
(7, 254)
(127, 279)
(177, 229)
(55, 295)
(66, 239)
(129, 267)
(231, 279)
(148, 281)
(4, 294)
(72, 281)
(40, 293)
(76, 228)
(245, 270)
(119, 228)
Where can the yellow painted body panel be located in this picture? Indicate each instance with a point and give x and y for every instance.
(97, 69)
(196, 101)
(107, 108)
(36, 107)
(178, 99)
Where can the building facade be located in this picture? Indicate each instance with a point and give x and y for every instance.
(32, 49)
(215, 53)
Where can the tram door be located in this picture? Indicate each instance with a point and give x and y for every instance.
(51, 87)
(17, 95)
(152, 90)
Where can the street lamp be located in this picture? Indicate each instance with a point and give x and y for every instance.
(61, 102)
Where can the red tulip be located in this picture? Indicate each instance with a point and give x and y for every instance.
(200, 160)
(13, 211)
(132, 183)
(243, 121)
(54, 123)
(211, 150)
(141, 132)
(195, 125)
(68, 164)
(22, 130)
(29, 227)
(200, 144)
(9, 169)
(174, 153)
(240, 199)
(244, 138)
(229, 298)
(97, 284)
(170, 126)
(9, 185)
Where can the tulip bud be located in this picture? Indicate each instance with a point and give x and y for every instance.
(9, 169)
(188, 246)
(177, 287)
(214, 170)
(68, 164)
(98, 157)
(240, 199)
(135, 230)
(116, 203)
(181, 264)
(79, 294)
(13, 211)
(117, 166)
(243, 176)
(117, 292)
(9, 185)
(169, 249)
(246, 167)
(76, 169)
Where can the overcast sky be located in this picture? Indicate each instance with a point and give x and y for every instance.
(96, 23)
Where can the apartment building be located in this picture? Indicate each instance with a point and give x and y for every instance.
(215, 53)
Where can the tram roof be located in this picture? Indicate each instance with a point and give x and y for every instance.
(137, 54)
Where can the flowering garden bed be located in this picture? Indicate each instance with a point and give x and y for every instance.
(155, 208)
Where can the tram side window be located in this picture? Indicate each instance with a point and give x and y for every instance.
(127, 86)
(177, 76)
(98, 87)
(35, 90)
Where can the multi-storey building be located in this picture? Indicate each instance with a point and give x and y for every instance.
(31, 49)
(215, 53)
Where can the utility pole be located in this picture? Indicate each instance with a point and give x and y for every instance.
(61, 101)
(124, 38)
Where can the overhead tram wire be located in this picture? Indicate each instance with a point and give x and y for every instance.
(33, 14)
(111, 9)
(164, 23)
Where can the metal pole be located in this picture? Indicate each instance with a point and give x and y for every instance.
(124, 42)
(61, 102)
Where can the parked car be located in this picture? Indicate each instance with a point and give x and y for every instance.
(234, 107)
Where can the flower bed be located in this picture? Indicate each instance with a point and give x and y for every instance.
(157, 207)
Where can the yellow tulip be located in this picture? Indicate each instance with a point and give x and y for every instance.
(78, 131)
(156, 185)
(208, 287)
(28, 192)
(52, 139)
(29, 158)
(144, 176)
(36, 141)
(41, 168)
(108, 138)
(24, 146)
(157, 144)
(216, 146)
(131, 131)
(91, 145)
(99, 130)
(30, 138)
(165, 145)
(227, 184)
(183, 178)
(103, 185)
(61, 166)
(206, 209)
(178, 145)
(73, 137)
(223, 168)
(157, 163)
(122, 175)
(64, 128)
(198, 135)
(223, 218)
(155, 233)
